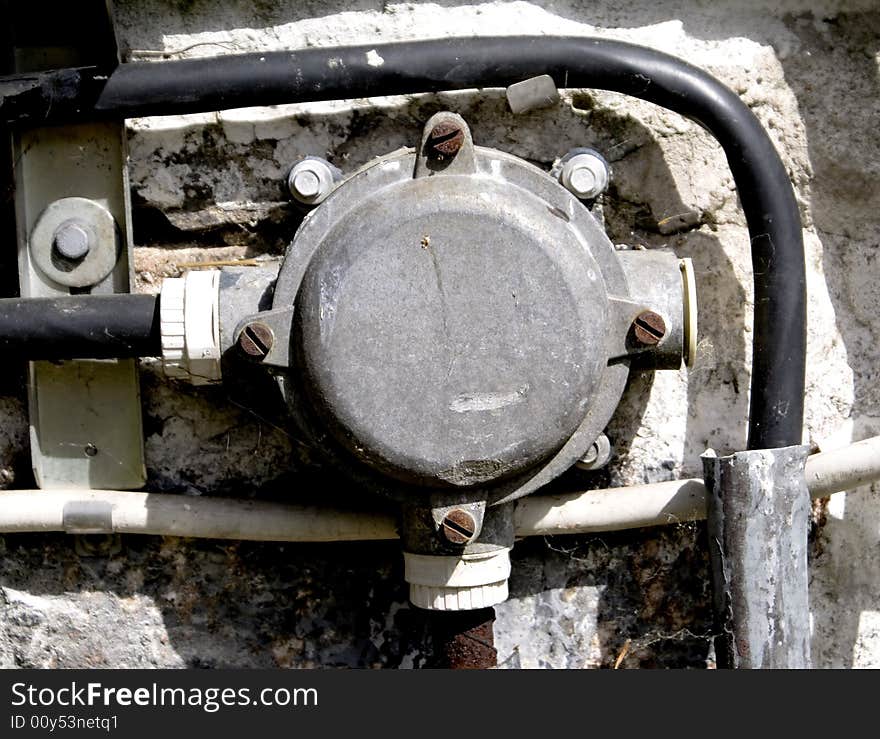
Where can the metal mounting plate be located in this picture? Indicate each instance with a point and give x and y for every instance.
(77, 403)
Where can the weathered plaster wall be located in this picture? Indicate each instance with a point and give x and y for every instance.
(211, 187)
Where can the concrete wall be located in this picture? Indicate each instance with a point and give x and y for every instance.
(211, 187)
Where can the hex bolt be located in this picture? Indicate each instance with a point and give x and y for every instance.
(446, 138)
(649, 328)
(71, 240)
(585, 175)
(458, 526)
(311, 181)
(256, 340)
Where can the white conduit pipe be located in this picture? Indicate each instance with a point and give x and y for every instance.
(680, 500)
(110, 511)
(613, 509)
(115, 511)
(855, 465)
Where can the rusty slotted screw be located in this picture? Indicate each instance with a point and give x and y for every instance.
(458, 526)
(256, 340)
(649, 328)
(446, 138)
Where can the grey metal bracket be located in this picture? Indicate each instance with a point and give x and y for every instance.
(85, 415)
(621, 314)
(446, 147)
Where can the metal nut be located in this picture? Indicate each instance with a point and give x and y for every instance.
(256, 340)
(71, 240)
(446, 138)
(649, 328)
(458, 526)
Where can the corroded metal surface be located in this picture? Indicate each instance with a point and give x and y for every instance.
(758, 514)
(464, 640)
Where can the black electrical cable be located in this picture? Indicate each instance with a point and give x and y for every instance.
(778, 362)
(80, 327)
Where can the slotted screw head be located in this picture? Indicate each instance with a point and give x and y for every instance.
(256, 340)
(458, 526)
(446, 138)
(649, 328)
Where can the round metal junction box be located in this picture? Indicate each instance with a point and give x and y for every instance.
(450, 322)
(452, 328)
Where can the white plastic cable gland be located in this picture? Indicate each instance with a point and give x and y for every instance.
(462, 583)
(189, 316)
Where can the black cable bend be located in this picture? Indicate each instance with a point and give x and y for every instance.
(765, 191)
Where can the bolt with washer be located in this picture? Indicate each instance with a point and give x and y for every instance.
(585, 175)
(312, 180)
(71, 240)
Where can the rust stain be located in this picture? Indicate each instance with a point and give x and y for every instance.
(464, 640)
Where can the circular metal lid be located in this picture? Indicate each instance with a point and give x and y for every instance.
(449, 329)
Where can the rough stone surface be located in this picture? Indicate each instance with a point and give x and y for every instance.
(211, 187)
